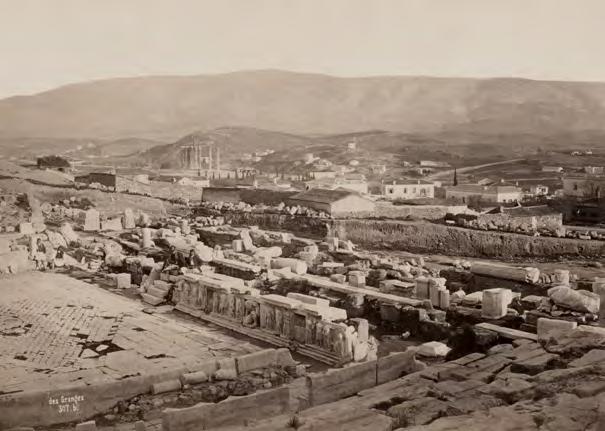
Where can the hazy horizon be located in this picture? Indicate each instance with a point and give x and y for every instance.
(52, 44)
(302, 72)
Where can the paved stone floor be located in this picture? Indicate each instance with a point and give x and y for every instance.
(57, 331)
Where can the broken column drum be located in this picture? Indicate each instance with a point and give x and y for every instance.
(495, 303)
(146, 237)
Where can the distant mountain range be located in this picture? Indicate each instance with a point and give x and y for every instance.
(166, 108)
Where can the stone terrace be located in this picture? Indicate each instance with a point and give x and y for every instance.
(56, 331)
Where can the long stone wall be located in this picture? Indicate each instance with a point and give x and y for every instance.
(424, 237)
(427, 212)
(232, 411)
(301, 225)
(159, 189)
(551, 224)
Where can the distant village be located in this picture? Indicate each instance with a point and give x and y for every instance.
(370, 189)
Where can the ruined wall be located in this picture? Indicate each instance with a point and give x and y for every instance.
(300, 225)
(160, 189)
(428, 212)
(551, 223)
(221, 194)
(232, 411)
(250, 196)
(424, 237)
(266, 197)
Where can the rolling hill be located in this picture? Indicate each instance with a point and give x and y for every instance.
(167, 107)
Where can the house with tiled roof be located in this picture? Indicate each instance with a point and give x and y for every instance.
(339, 202)
(408, 189)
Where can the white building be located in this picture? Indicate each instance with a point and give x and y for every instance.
(433, 164)
(552, 169)
(495, 194)
(538, 190)
(408, 189)
(318, 175)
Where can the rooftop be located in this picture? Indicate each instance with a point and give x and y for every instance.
(408, 182)
(323, 195)
(478, 188)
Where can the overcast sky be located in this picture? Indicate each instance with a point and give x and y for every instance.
(47, 43)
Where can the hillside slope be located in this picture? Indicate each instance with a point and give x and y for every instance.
(166, 108)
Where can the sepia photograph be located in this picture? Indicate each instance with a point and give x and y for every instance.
(302, 215)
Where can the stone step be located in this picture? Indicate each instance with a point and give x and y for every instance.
(509, 333)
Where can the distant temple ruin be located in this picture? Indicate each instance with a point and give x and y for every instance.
(201, 155)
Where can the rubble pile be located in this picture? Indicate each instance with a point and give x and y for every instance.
(584, 234)
(262, 208)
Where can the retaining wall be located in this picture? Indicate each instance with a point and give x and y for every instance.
(159, 189)
(300, 225)
(74, 403)
(340, 383)
(232, 411)
(422, 237)
(425, 237)
(428, 212)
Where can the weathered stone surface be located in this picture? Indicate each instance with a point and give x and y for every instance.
(256, 360)
(569, 413)
(114, 224)
(166, 386)
(195, 378)
(123, 280)
(510, 390)
(589, 389)
(398, 364)
(508, 333)
(240, 410)
(595, 356)
(92, 221)
(297, 266)
(577, 342)
(146, 240)
(534, 365)
(474, 298)
(26, 228)
(340, 383)
(357, 278)
(420, 411)
(498, 418)
(495, 302)
(433, 349)
(237, 245)
(247, 240)
(577, 300)
(14, 262)
(225, 374)
(151, 300)
(129, 222)
(56, 239)
(86, 426)
(553, 327)
(526, 275)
